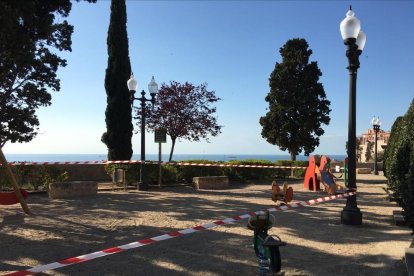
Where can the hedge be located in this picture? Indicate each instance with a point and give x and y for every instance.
(33, 177)
(399, 163)
(184, 174)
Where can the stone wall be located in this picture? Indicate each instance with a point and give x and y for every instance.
(72, 189)
(95, 172)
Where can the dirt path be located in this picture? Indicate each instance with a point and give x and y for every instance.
(317, 243)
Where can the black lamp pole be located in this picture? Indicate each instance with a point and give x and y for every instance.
(142, 185)
(376, 126)
(351, 214)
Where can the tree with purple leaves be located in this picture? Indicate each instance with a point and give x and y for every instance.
(185, 111)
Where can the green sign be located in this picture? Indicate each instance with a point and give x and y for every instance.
(160, 136)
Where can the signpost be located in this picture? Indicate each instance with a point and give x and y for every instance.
(160, 137)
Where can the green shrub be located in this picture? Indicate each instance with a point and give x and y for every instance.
(186, 173)
(48, 175)
(283, 173)
(300, 173)
(173, 173)
(33, 177)
(169, 174)
(390, 155)
(390, 149)
(237, 173)
(399, 163)
(132, 173)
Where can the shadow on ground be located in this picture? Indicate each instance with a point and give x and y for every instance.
(318, 244)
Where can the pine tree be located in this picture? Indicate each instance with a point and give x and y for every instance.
(297, 101)
(118, 111)
(32, 33)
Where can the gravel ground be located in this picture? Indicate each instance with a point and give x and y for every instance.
(318, 244)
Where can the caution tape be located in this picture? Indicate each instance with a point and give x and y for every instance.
(232, 165)
(55, 163)
(174, 234)
(154, 162)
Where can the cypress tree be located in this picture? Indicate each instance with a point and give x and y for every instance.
(368, 151)
(118, 111)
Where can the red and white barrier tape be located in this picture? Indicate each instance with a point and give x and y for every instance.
(117, 249)
(55, 163)
(154, 162)
(232, 165)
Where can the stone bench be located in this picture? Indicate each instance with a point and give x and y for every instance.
(211, 182)
(399, 219)
(364, 170)
(409, 260)
(72, 189)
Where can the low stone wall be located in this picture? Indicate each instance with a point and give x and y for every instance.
(94, 172)
(370, 165)
(211, 182)
(409, 260)
(72, 189)
(364, 170)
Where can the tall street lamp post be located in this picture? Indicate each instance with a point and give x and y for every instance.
(355, 40)
(376, 124)
(153, 88)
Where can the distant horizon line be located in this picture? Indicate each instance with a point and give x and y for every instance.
(267, 154)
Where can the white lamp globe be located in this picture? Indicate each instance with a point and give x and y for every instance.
(132, 83)
(361, 39)
(350, 26)
(153, 86)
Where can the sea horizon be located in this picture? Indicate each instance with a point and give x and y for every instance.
(154, 157)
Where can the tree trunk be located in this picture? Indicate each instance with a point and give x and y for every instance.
(172, 148)
(14, 183)
(292, 158)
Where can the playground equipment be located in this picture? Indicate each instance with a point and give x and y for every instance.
(19, 194)
(316, 174)
(285, 195)
(265, 246)
(10, 198)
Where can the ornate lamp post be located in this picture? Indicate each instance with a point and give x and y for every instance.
(153, 88)
(376, 124)
(354, 39)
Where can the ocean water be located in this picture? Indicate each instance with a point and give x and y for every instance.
(153, 157)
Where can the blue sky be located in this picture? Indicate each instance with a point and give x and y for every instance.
(233, 46)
